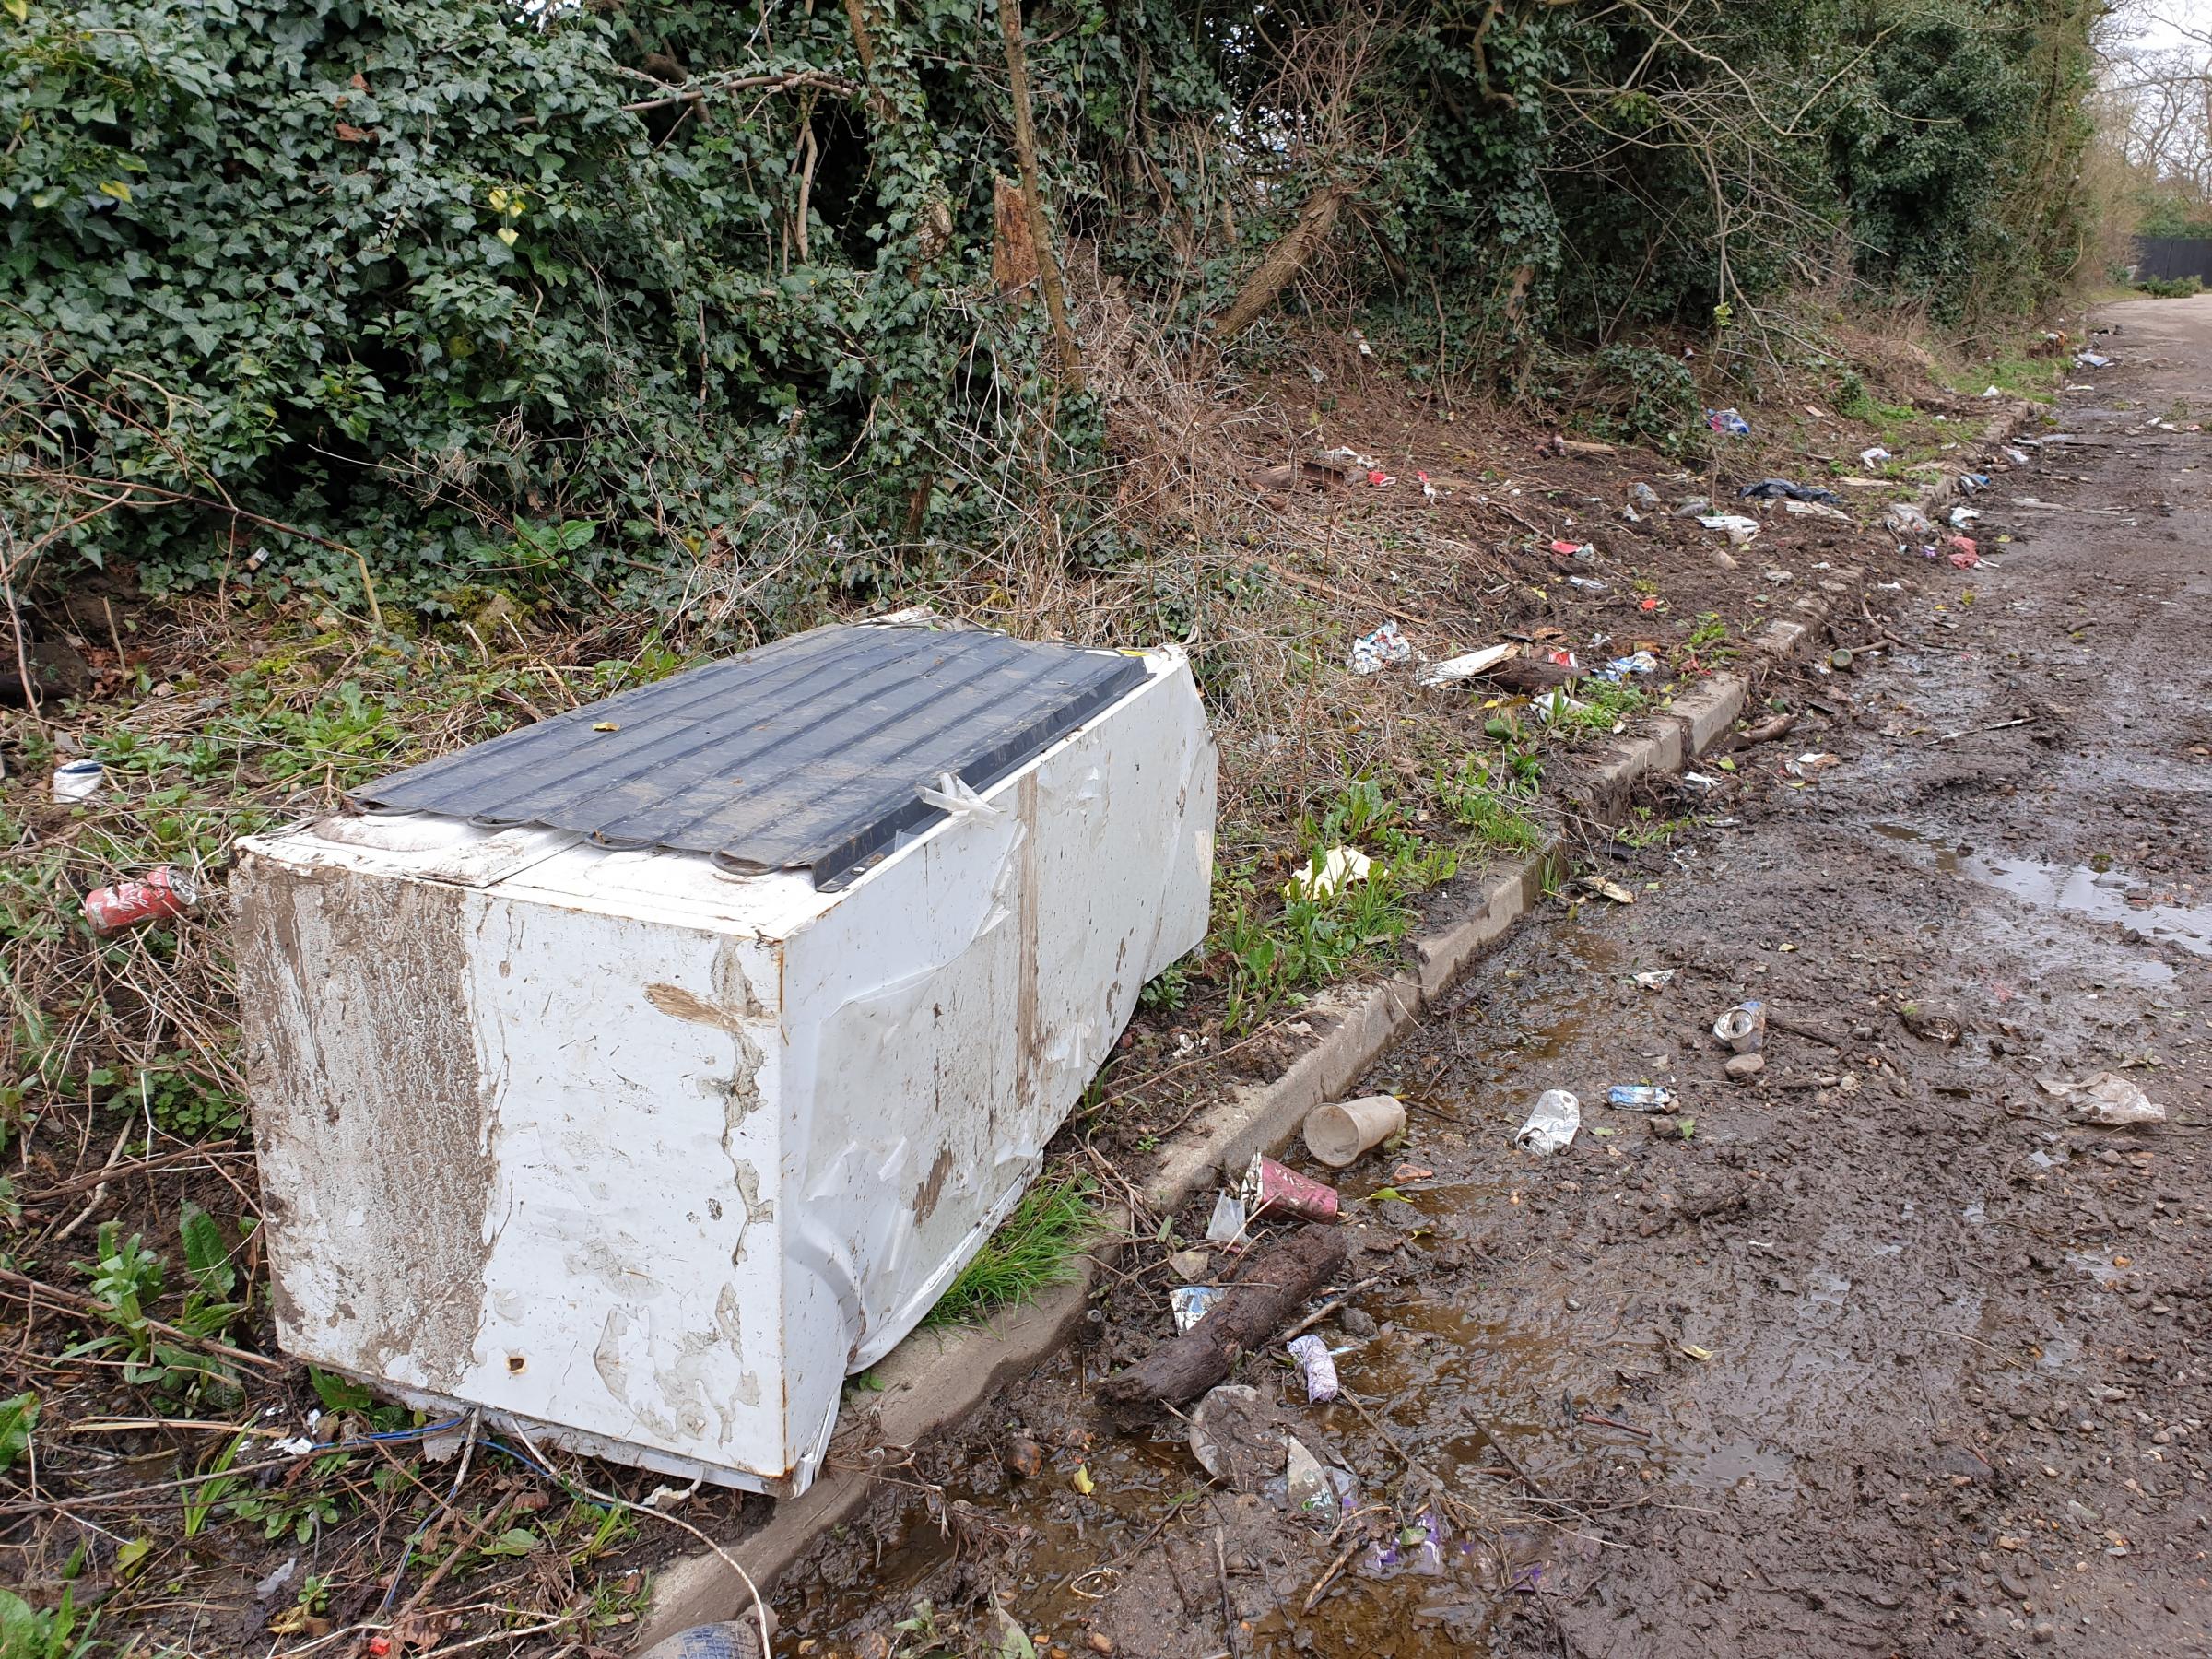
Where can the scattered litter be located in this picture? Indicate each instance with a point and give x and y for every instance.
(1470, 665)
(1269, 1186)
(1555, 705)
(1907, 520)
(1586, 551)
(1699, 780)
(1606, 890)
(276, 1580)
(1193, 1265)
(1691, 506)
(1418, 1548)
(1345, 460)
(1640, 662)
(1588, 584)
(1989, 392)
(1658, 977)
(1319, 1369)
(158, 895)
(1310, 1491)
(1340, 1133)
(1807, 764)
(1643, 495)
(1872, 458)
(2019, 457)
(1972, 483)
(1327, 873)
(1228, 1222)
(1190, 1303)
(79, 780)
(1818, 509)
(1379, 479)
(1964, 556)
(1961, 517)
(1768, 490)
(1082, 1481)
(2091, 360)
(1360, 340)
(2111, 1099)
(1428, 489)
(1552, 1125)
(1640, 1097)
(1739, 528)
(1743, 1029)
(1728, 422)
(1373, 653)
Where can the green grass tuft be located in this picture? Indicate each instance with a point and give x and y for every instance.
(1034, 1247)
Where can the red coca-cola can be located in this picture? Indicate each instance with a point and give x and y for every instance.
(160, 894)
(1270, 1186)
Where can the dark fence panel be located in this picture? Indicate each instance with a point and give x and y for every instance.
(2171, 256)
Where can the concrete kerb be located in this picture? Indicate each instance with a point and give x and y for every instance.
(935, 1378)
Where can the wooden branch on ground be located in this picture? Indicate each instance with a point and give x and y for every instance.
(1272, 1285)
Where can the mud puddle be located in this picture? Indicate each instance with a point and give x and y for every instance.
(2097, 895)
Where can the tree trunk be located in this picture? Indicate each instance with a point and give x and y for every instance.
(1272, 1287)
(1284, 261)
(1025, 150)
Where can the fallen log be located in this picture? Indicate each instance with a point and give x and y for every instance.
(1269, 1289)
(1770, 729)
(1531, 677)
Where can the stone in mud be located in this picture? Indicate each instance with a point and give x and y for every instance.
(1742, 1067)
(1397, 1213)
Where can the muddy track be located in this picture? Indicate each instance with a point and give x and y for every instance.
(1882, 1351)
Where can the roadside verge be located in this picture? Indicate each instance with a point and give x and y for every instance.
(935, 1378)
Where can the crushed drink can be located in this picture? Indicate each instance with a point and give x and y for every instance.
(1190, 1303)
(1743, 1029)
(1319, 1369)
(1641, 1097)
(158, 895)
(1270, 1186)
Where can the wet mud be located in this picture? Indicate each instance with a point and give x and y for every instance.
(1883, 1349)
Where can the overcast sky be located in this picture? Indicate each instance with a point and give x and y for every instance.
(2154, 27)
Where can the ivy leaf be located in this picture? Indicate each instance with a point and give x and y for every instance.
(506, 234)
(116, 188)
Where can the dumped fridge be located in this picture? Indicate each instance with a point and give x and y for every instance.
(635, 1075)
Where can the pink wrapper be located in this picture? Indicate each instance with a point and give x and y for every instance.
(1318, 1366)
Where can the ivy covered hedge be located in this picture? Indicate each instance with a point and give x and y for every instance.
(692, 306)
